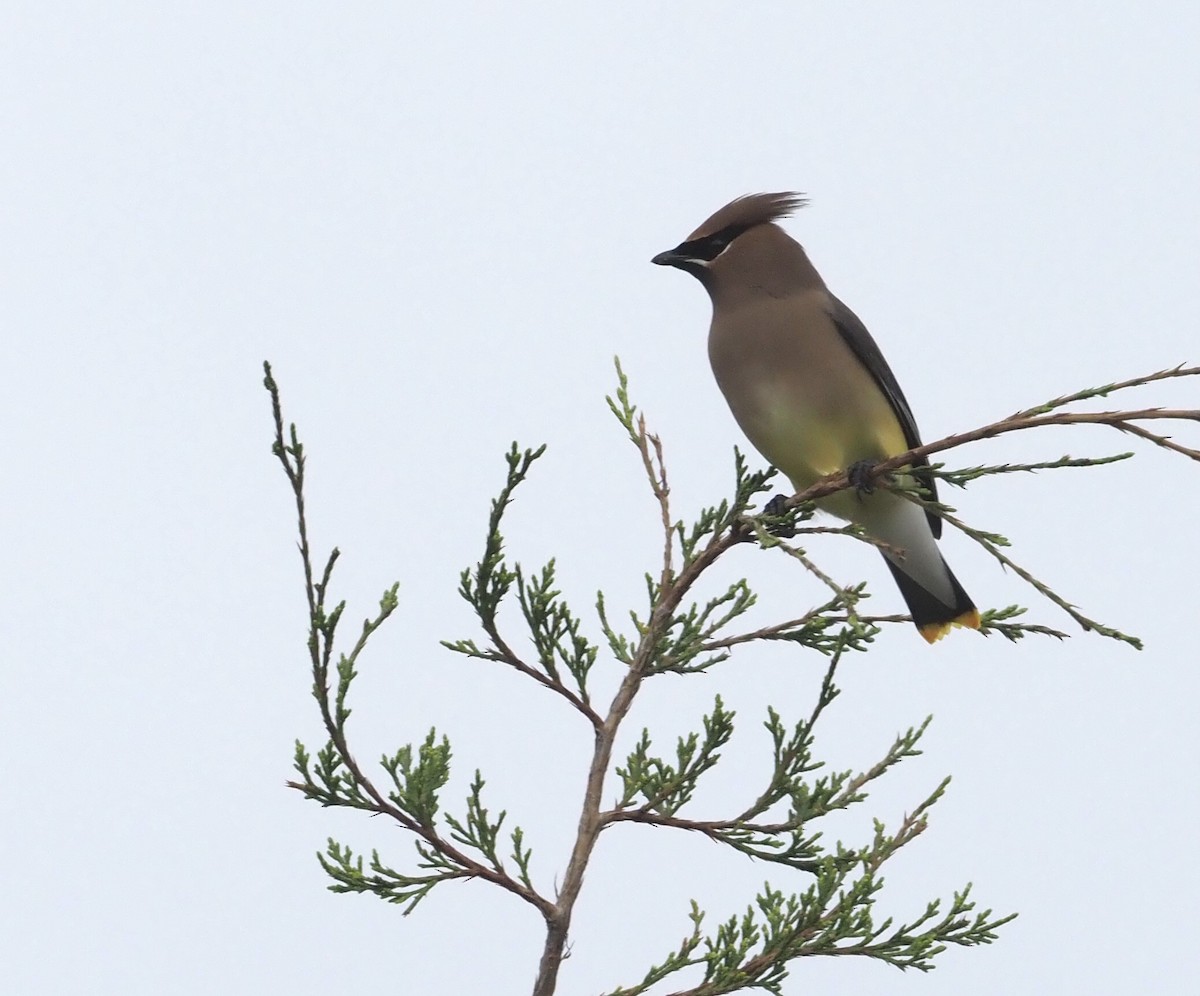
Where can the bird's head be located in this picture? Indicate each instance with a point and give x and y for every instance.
(740, 243)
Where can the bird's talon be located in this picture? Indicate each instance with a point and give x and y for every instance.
(859, 474)
(777, 506)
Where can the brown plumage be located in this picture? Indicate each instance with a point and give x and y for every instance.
(811, 389)
(752, 209)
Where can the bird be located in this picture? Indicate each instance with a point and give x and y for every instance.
(812, 392)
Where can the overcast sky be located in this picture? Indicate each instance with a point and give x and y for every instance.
(437, 224)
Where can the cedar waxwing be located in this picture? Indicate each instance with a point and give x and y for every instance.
(812, 391)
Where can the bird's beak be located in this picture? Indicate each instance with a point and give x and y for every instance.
(672, 257)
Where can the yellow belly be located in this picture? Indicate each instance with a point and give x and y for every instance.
(807, 443)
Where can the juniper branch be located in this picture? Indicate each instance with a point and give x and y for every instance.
(342, 779)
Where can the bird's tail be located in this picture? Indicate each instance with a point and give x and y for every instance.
(934, 617)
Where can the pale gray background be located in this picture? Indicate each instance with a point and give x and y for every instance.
(437, 225)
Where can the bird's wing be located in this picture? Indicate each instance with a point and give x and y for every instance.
(856, 336)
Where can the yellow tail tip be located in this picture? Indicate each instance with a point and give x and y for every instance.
(935, 631)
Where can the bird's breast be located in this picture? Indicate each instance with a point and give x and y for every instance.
(799, 392)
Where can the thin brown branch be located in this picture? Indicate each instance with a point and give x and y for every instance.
(796, 553)
(1107, 389)
(1122, 420)
(911, 827)
(591, 818)
(778, 631)
(1086, 623)
(1165, 441)
(320, 649)
(506, 655)
(656, 470)
(710, 828)
(1115, 419)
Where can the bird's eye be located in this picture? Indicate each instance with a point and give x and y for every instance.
(710, 247)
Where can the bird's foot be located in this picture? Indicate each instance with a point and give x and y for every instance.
(860, 476)
(777, 507)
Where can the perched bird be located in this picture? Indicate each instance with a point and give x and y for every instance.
(812, 391)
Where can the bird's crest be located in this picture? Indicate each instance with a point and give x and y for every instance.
(750, 210)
